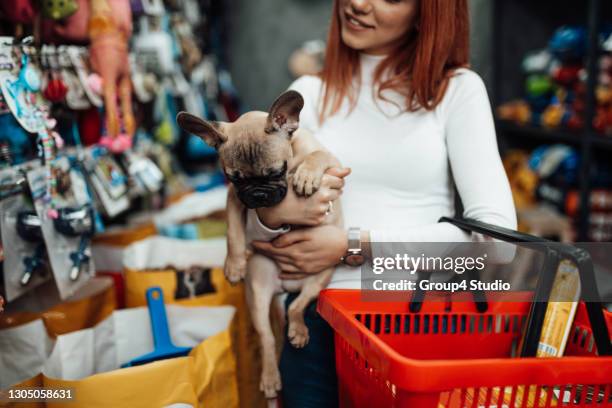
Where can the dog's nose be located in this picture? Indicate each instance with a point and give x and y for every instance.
(259, 195)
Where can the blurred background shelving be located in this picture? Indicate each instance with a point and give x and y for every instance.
(520, 27)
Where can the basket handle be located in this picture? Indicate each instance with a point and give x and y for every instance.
(479, 295)
(494, 231)
(508, 235)
(555, 252)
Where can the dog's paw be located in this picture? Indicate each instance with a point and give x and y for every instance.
(270, 383)
(307, 179)
(298, 334)
(235, 268)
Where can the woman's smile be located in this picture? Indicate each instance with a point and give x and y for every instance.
(356, 24)
(376, 26)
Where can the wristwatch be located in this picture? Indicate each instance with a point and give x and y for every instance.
(354, 255)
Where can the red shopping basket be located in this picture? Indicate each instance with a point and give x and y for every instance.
(387, 356)
(454, 355)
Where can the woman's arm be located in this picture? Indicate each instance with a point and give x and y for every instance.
(305, 211)
(476, 166)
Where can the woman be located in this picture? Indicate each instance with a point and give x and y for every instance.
(395, 103)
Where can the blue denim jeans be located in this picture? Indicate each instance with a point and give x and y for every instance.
(309, 374)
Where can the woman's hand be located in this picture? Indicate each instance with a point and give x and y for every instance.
(307, 211)
(306, 251)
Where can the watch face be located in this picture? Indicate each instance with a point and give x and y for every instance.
(354, 260)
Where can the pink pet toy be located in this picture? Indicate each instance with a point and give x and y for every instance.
(110, 27)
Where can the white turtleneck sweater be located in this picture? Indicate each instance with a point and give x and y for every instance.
(404, 164)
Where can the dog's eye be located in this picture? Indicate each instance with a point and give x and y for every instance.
(235, 177)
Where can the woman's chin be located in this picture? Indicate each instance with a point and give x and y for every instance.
(355, 42)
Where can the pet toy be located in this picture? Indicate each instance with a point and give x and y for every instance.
(523, 180)
(72, 28)
(59, 9)
(568, 43)
(517, 111)
(110, 27)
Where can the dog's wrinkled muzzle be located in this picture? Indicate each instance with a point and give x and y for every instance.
(262, 195)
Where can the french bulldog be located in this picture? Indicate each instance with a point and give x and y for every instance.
(263, 155)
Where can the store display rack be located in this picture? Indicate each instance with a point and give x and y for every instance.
(543, 135)
(521, 26)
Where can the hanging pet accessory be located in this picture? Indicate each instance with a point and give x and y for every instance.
(55, 89)
(11, 189)
(25, 259)
(77, 222)
(66, 231)
(76, 97)
(153, 46)
(6, 58)
(29, 229)
(145, 176)
(107, 181)
(90, 82)
(154, 7)
(77, 163)
(28, 78)
(20, 92)
(110, 26)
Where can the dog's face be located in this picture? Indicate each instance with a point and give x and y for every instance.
(254, 150)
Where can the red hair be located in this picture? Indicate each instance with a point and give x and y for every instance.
(419, 69)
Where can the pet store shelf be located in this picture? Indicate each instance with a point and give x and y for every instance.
(543, 135)
(602, 141)
(535, 133)
(521, 26)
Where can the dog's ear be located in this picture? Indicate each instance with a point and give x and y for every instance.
(210, 132)
(285, 113)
